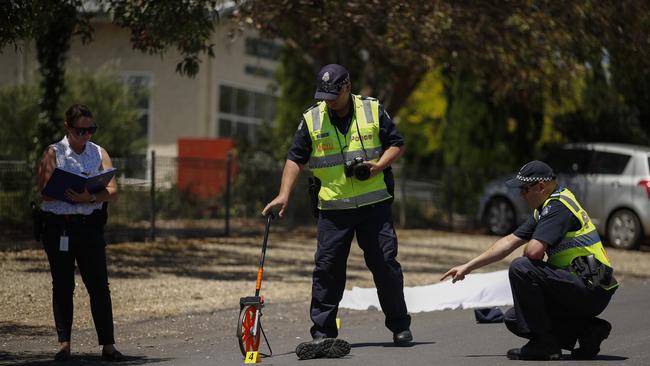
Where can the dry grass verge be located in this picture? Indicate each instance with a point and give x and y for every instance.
(158, 279)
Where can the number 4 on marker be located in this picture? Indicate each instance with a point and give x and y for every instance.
(252, 357)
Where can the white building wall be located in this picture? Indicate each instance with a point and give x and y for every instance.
(179, 106)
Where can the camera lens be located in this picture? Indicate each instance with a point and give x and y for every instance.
(362, 171)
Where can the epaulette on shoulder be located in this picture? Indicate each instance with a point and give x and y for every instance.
(363, 97)
(310, 108)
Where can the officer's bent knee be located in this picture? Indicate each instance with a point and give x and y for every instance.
(520, 264)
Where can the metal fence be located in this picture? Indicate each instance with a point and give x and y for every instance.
(172, 197)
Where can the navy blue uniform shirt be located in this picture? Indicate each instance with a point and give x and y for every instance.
(555, 220)
(301, 148)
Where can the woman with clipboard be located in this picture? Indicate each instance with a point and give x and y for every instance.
(74, 231)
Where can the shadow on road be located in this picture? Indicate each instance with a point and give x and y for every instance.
(565, 357)
(387, 344)
(610, 358)
(42, 358)
(16, 329)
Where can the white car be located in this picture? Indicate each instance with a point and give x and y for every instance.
(611, 181)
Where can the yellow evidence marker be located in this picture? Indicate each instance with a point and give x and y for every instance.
(252, 357)
(338, 323)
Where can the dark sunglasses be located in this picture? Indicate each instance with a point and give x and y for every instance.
(80, 131)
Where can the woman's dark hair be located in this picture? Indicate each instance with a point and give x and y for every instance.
(75, 112)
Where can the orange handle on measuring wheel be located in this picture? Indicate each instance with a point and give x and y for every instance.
(258, 283)
(260, 269)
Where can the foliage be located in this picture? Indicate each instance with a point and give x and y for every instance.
(476, 143)
(255, 164)
(106, 97)
(15, 190)
(51, 25)
(369, 40)
(296, 89)
(420, 121)
(452, 122)
(14, 208)
(258, 178)
(509, 70)
(18, 114)
(155, 25)
(158, 25)
(508, 47)
(604, 114)
(176, 203)
(114, 110)
(58, 20)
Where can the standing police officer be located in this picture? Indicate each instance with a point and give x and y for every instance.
(349, 142)
(555, 302)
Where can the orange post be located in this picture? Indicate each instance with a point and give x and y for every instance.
(258, 284)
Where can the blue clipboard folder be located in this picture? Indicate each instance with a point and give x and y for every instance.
(61, 180)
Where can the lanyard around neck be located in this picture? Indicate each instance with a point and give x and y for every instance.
(356, 122)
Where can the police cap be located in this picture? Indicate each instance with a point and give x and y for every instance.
(532, 172)
(331, 78)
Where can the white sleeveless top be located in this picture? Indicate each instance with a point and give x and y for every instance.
(88, 162)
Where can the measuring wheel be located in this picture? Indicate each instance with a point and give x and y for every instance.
(249, 327)
(248, 333)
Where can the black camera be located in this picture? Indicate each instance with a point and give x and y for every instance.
(357, 168)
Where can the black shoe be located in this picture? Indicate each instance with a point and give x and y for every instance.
(402, 338)
(536, 350)
(323, 347)
(62, 356)
(114, 356)
(590, 338)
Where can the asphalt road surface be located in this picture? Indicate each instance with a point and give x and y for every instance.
(449, 337)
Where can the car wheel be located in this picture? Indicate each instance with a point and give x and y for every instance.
(624, 230)
(500, 217)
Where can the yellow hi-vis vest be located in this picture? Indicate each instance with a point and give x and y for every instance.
(330, 150)
(583, 242)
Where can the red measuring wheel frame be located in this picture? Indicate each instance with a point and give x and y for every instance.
(246, 328)
(249, 326)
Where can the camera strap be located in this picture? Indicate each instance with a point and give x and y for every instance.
(361, 140)
(363, 147)
(340, 146)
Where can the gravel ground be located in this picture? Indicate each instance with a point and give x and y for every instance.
(170, 277)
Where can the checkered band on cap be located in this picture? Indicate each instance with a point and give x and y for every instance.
(327, 87)
(532, 172)
(534, 179)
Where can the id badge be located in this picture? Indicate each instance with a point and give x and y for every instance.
(63, 243)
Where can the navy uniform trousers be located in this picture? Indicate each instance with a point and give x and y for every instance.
(549, 301)
(373, 226)
(87, 249)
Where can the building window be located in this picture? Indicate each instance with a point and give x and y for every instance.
(263, 48)
(226, 95)
(242, 111)
(225, 127)
(259, 71)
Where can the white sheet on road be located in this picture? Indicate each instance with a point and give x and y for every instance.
(475, 291)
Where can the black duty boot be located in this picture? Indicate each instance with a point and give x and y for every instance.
(115, 356)
(402, 338)
(590, 337)
(541, 349)
(323, 347)
(62, 356)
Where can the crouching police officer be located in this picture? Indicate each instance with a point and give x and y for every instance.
(349, 142)
(555, 302)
